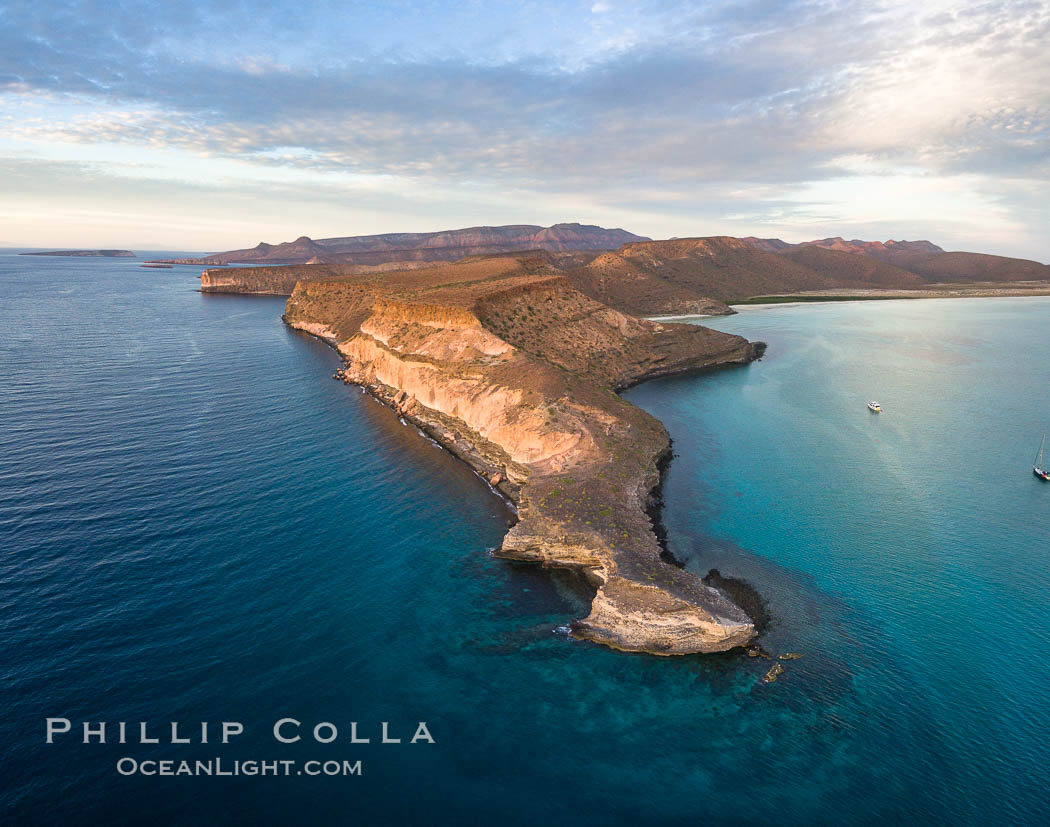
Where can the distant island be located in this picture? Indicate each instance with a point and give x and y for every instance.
(86, 253)
(445, 245)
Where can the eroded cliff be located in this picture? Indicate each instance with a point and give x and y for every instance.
(270, 281)
(507, 365)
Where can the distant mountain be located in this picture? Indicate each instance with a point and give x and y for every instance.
(448, 245)
(922, 259)
(839, 244)
(290, 252)
(878, 249)
(86, 253)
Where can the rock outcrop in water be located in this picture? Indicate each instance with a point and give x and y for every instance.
(507, 365)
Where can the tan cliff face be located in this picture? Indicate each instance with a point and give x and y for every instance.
(275, 281)
(512, 369)
(280, 281)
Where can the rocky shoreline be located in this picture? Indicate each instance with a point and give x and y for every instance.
(513, 371)
(446, 435)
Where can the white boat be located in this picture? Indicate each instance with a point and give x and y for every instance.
(1039, 469)
(875, 407)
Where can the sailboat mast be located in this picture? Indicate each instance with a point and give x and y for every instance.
(1039, 456)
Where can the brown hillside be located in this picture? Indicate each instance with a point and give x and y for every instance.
(971, 267)
(851, 269)
(654, 277)
(922, 258)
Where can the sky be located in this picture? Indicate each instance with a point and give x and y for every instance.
(216, 125)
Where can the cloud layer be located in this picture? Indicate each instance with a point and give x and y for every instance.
(797, 118)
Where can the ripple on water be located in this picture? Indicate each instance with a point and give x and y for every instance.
(199, 524)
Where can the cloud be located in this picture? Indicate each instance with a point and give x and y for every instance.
(596, 102)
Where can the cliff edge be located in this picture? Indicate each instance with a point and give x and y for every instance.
(511, 368)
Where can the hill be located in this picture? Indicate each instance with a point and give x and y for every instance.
(923, 259)
(973, 267)
(850, 270)
(683, 275)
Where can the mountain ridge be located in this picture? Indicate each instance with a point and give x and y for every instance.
(442, 245)
(682, 276)
(921, 258)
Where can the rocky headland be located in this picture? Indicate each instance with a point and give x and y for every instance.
(513, 362)
(502, 361)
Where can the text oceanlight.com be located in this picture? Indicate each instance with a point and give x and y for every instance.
(219, 767)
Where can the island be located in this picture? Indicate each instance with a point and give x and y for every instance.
(504, 363)
(696, 276)
(85, 253)
(513, 362)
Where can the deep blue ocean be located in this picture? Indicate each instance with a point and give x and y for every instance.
(198, 524)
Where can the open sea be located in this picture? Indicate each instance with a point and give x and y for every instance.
(198, 524)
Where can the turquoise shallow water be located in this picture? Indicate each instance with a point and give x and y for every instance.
(197, 523)
(921, 531)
